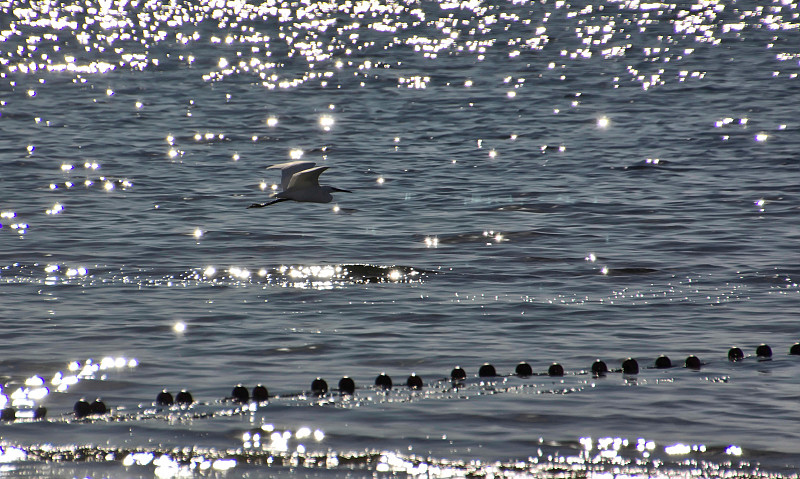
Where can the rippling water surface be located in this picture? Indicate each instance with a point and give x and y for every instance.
(531, 181)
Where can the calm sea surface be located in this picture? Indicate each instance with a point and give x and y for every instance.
(537, 181)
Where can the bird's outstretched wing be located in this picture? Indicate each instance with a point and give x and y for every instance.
(261, 205)
(290, 168)
(306, 178)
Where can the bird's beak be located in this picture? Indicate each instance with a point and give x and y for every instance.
(341, 190)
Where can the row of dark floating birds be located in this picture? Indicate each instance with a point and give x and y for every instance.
(347, 386)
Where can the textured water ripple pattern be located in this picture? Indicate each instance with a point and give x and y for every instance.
(325, 37)
(265, 444)
(296, 276)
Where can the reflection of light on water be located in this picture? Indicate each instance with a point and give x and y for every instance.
(497, 237)
(296, 276)
(239, 273)
(138, 458)
(733, 450)
(10, 454)
(279, 441)
(326, 122)
(35, 389)
(56, 209)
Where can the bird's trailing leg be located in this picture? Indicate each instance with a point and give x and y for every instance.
(261, 205)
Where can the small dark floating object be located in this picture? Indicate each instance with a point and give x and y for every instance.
(630, 366)
(98, 407)
(735, 354)
(40, 412)
(8, 414)
(523, 369)
(347, 386)
(487, 371)
(383, 381)
(240, 394)
(795, 349)
(764, 351)
(184, 397)
(458, 374)
(555, 369)
(663, 362)
(319, 387)
(260, 393)
(82, 408)
(599, 368)
(693, 362)
(164, 398)
(414, 381)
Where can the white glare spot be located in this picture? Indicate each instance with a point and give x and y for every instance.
(198, 233)
(179, 327)
(603, 122)
(678, 449)
(34, 381)
(224, 464)
(762, 137)
(733, 450)
(272, 121)
(326, 122)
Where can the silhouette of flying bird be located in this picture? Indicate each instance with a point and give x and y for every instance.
(300, 182)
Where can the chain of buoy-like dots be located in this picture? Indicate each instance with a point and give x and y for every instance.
(347, 386)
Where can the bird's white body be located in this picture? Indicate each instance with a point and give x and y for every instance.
(300, 182)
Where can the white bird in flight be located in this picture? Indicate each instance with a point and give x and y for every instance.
(300, 182)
